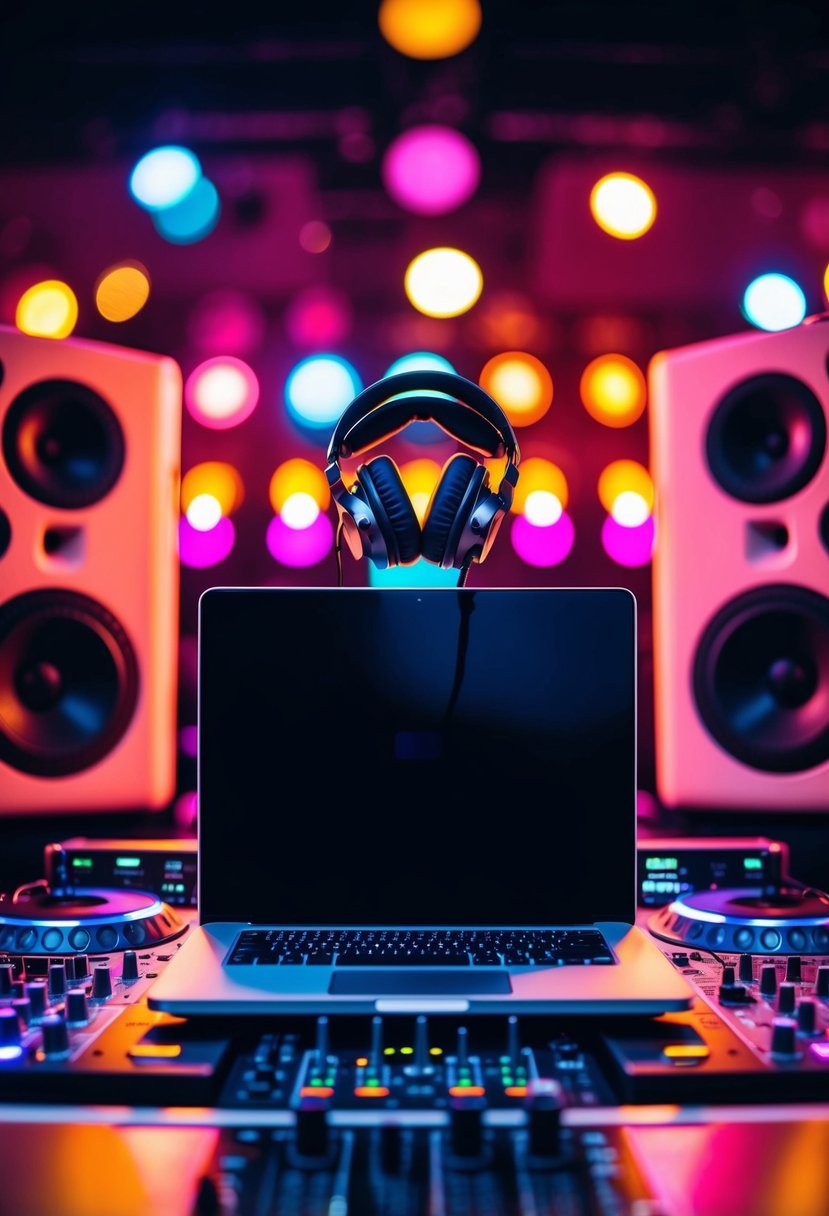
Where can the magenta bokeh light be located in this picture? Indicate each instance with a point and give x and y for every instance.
(319, 317)
(628, 546)
(226, 322)
(431, 169)
(300, 546)
(546, 546)
(200, 549)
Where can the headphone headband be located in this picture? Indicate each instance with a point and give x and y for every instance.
(445, 413)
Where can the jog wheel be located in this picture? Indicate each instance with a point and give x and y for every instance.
(38, 921)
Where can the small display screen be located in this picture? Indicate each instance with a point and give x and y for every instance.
(417, 757)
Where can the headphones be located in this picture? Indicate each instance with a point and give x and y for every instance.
(464, 513)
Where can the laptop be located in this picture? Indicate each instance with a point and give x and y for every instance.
(417, 800)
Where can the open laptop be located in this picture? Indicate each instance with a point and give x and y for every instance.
(417, 800)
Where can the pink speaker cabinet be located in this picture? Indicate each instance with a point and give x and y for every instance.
(89, 488)
(738, 431)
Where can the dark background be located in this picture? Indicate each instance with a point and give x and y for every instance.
(724, 109)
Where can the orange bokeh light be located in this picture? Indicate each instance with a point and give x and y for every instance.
(613, 390)
(298, 476)
(521, 385)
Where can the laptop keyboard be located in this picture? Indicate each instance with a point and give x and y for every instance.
(415, 947)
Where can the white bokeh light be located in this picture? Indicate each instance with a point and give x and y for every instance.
(542, 509)
(630, 509)
(299, 510)
(204, 512)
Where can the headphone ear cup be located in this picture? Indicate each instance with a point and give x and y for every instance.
(442, 528)
(392, 508)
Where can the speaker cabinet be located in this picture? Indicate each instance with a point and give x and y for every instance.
(738, 430)
(89, 476)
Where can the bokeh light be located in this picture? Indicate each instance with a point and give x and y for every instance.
(319, 388)
(520, 384)
(298, 476)
(431, 169)
(826, 283)
(429, 29)
(299, 510)
(299, 547)
(419, 479)
(628, 546)
(122, 291)
(623, 205)
(47, 310)
(315, 236)
(164, 177)
(419, 361)
(620, 477)
(201, 549)
(204, 512)
(443, 282)
(319, 317)
(774, 302)
(193, 218)
(546, 546)
(613, 390)
(542, 509)
(219, 480)
(221, 392)
(630, 509)
(227, 322)
(535, 473)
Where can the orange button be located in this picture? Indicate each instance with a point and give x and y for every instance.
(515, 1091)
(371, 1091)
(467, 1091)
(316, 1091)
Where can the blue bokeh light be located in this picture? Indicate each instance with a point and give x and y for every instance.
(319, 388)
(774, 302)
(193, 218)
(164, 177)
(418, 361)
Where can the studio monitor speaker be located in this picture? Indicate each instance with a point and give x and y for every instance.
(738, 430)
(89, 475)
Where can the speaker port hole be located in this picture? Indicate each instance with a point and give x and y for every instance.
(765, 540)
(64, 547)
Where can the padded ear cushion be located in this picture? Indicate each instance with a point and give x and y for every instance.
(442, 512)
(381, 480)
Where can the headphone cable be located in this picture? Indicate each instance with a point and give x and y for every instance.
(467, 562)
(338, 551)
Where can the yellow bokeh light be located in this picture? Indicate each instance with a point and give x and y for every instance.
(613, 390)
(624, 477)
(443, 282)
(429, 29)
(826, 282)
(47, 310)
(221, 481)
(520, 384)
(298, 476)
(419, 479)
(122, 291)
(623, 205)
(536, 473)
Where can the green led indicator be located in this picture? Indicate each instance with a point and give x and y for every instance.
(506, 1079)
(316, 1080)
(406, 1051)
(661, 863)
(752, 863)
(128, 863)
(373, 1083)
(82, 863)
(388, 1051)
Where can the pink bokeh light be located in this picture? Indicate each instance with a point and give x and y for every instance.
(543, 546)
(628, 546)
(299, 546)
(431, 169)
(319, 317)
(226, 322)
(200, 549)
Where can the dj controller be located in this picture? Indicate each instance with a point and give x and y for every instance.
(109, 1107)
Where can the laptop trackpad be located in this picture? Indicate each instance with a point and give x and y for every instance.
(418, 983)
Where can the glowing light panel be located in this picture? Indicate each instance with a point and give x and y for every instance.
(623, 205)
(47, 310)
(613, 390)
(774, 302)
(200, 549)
(164, 177)
(429, 29)
(443, 282)
(122, 291)
(220, 481)
(299, 547)
(628, 546)
(191, 219)
(221, 392)
(619, 477)
(431, 169)
(419, 574)
(319, 388)
(547, 546)
(520, 384)
(298, 476)
(299, 510)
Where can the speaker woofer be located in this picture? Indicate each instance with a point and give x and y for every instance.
(63, 444)
(68, 682)
(766, 438)
(761, 678)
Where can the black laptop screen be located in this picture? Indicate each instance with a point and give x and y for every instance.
(417, 757)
